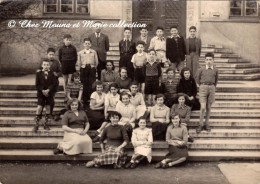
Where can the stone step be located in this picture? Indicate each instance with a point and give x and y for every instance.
(58, 132)
(223, 55)
(228, 133)
(233, 65)
(225, 144)
(231, 113)
(216, 50)
(212, 46)
(24, 93)
(225, 60)
(214, 123)
(29, 102)
(51, 143)
(237, 96)
(236, 104)
(232, 77)
(228, 123)
(47, 155)
(239, 71)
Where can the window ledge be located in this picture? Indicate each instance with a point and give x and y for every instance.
(234, 19)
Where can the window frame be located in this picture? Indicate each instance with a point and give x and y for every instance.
(58, 4)
(243, 9)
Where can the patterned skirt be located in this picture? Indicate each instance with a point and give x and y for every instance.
(111, 157)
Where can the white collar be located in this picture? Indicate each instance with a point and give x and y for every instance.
(162, 39)
(140, 54)
(207, 67)
(129, 39)
(97, 34)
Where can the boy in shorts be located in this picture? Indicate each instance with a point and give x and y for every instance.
(45, 85)
(68, 59)
(207, 78)
(138, 60)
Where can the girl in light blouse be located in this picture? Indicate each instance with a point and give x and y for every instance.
(159, 117)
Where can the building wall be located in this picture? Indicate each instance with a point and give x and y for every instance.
(215, 27)
(22, 48)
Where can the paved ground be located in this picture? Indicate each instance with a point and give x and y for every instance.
(77, 173)
(241, 173)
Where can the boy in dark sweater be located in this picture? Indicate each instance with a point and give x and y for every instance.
(207, 78)
(68, 59)
(152, 72)
(45, 85)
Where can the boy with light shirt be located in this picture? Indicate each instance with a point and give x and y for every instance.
(87, 64)
(158, 43)
(138, 60)
(207, 78)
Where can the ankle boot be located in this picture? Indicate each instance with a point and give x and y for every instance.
(37, 121)
(46, 122)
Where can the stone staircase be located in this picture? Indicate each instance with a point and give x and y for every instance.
(235, 118)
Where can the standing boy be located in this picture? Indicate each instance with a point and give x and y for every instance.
(56, 69)
(158, 43)
(45, 85)
(138, 60)
(127, 50)
(152, 72)
(87, 64)
(207, 79)
(175, 49)
(68, 59)
(193, 48)
(100, 43)
(144, 38)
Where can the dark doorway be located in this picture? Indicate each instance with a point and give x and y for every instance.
(163, 13)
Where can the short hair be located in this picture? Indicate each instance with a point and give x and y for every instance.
(127, 28)
(67, 36)
(122, 68)
(140, 43)
(112, 62)
(75, 75)
(209, 54)
(160, 95)
(174, 27)
(184, 70)
(97, 83)
(123, 94)
(74, 100)
(173, 114)
(160, 28)
(44, 60)
(150, 50)
(87, 39)
(50, 49)
(113, 84)
(170, 69)
(143, 28)
(192, 27)
(113, 114)
(182, 94)
(134, 83)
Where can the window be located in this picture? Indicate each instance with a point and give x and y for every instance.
(66, 6)
(245, 8)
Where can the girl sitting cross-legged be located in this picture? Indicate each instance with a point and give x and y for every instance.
(177, 138)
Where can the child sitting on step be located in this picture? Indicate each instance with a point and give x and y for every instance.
(45, 85)
(142, 140)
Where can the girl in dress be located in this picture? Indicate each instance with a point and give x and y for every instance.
(142, 140)
(75, 126)
(177, 138)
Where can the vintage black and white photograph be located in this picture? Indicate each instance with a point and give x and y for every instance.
(130, 91)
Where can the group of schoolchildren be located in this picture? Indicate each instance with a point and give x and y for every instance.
(146, 87)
